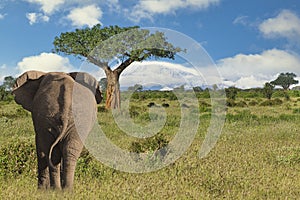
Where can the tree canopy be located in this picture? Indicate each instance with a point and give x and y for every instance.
(127, 45)
(285, 80)
(8, 83)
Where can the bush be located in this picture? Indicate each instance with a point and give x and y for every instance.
(266, 103)
(253, 103)
(102, 109)
(231, 92)
(277, 101)
(274, 102)
(286, 117)
(241, 104)
(151, 104)
(16, 113)
(278, 94)
(243, 116)
(18, 158)
(136, 111)
(88, 166)
(296, 111)
(230, 103)
(149, 145)
(165, 105)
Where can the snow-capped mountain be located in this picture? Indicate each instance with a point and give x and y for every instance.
(160, 75)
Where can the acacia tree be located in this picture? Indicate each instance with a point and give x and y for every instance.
(127, 45)
(285, 80)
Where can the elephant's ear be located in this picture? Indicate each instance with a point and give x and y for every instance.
(25, 88)
(88, 81)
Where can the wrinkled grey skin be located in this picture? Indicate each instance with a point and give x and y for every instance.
(63, 108)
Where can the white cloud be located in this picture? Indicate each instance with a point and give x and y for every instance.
(286, 24)
(243, 71)
(2, 16)
(36, 18)
(88, 15)
(255, 69)
(6, 70)
(160, 73)
(46, 62)
(87, 12)
(113, 5)
(148, 8)
(48, 6)
(250, 82)
(2, 71)
(3, 66)
(243, 20)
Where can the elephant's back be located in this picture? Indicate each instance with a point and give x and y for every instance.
(53, 95)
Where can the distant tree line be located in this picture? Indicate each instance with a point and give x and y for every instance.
(6, 88)
(284, 80)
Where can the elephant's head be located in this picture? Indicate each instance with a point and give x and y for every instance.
(28, 83)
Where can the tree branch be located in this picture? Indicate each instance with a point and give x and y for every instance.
(124, 65)
(102, 65)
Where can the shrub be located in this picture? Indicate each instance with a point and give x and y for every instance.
(144, 117)
(241, 104)
(286, 117)
(88, 166)
(172, 97)
(102, 109)
(230, 103)
(19, 113)
(277, 101)
(231, 92)
(266, 103)
(244, 116)
(203, 103)
(151, 104)
(253, 103)
(165, 105)
(149, 145)
(273, 102)
(296, 111)
(18, 158)
(136, 111)
(287, 96)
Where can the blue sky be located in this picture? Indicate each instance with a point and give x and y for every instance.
(250, 41)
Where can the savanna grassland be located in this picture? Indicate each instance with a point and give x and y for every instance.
(256, 157)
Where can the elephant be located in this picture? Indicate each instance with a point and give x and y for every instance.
(63, 107)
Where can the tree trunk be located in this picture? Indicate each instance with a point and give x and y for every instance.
(113, 100)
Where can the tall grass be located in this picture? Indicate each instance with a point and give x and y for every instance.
(257, 157)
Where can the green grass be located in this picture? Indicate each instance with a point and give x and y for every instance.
(256, 157)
